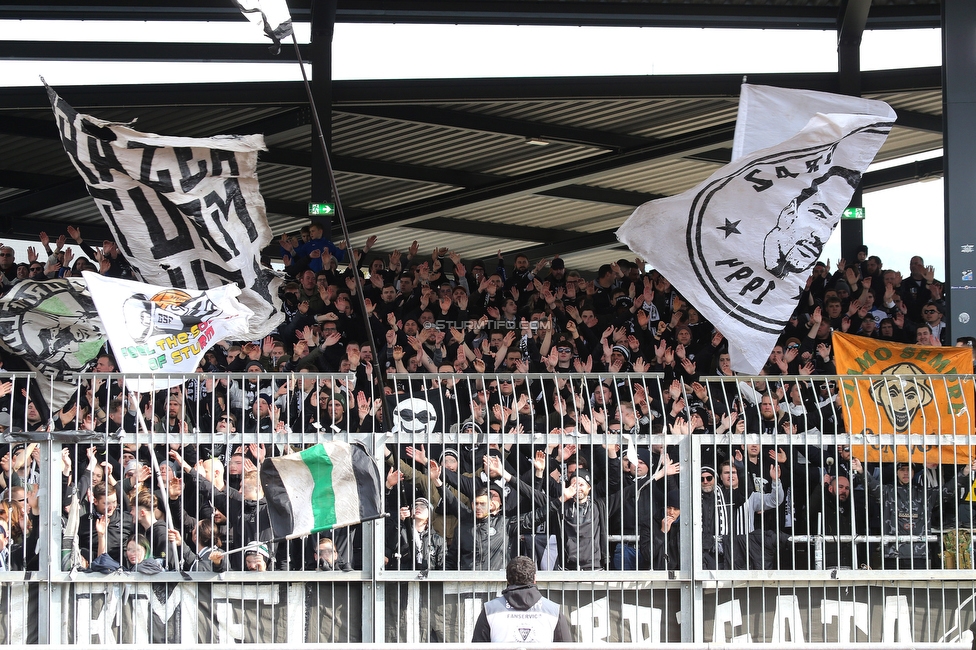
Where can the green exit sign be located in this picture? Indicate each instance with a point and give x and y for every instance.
(321, 209)
(853, 213)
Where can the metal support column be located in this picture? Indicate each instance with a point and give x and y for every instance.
(850, 27)
(959, 110)
(323, 25)
(692, 595)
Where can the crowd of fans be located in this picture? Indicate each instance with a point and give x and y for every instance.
(509, 344)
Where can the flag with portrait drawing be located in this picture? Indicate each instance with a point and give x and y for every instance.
(740, 245)
(155, 329)
(185, 212)
(905, 389)
(52, 325)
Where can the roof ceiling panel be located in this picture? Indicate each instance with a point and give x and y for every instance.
(592, 130)
(541, 212)
(923, 101)
(906, 142)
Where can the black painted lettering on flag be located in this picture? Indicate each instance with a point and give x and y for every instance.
(185, 212)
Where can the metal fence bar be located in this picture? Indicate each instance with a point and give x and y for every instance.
(811, 547)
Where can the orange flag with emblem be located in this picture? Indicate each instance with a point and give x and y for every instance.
(893, 388)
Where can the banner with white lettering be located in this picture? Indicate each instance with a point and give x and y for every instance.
(186, 212)
(740, 245)
(161, 329)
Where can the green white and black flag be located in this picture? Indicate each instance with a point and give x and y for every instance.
(330, 485)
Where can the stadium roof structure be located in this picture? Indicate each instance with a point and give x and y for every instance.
(455, 162)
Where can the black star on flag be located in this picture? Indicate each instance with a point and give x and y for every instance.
(730, 227)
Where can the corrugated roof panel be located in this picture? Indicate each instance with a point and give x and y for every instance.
(469, 246)
(79, 211)
(905, 142)
(10, 192)
(284, 182)
(540, 212)
(36, 156)
(664, 177)
(587, 262)
(438, 146)
(923, 101)
(649, 117)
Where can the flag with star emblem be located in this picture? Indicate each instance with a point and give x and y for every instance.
(740, 245)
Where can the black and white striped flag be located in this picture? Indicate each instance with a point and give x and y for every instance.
(185, 212)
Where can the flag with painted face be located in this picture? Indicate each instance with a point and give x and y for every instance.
(155, 329)
(185, 212)
(52, 325)
(740, 245)
(905, 389)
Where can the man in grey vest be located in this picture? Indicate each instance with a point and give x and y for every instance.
(521, 614)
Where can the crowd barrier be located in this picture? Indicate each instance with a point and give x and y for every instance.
(860, 569)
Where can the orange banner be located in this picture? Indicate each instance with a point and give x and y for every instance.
(907, 389)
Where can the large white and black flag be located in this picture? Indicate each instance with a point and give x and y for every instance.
(186, 212)
(54, 328)
(52, 325)
(740, 245)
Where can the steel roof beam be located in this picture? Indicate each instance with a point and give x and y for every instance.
(289, 119)
(580, 242)
(44, 198)
(601, 195)
(93, 233)
(494, 230)
(29, 128)
(919, 121)
(615, 14)
(419, 173)
(592, 12)
(852, 20)
(357, 93)
(534, 182)
(439, 224)
(28, 180)
(108, 51)
(273, 93)
(913, 172)
(492, 124)
(383, 169)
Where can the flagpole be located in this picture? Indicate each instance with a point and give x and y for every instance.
(164, 487)
(377, 371)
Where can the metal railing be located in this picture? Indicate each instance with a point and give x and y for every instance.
(848, 554)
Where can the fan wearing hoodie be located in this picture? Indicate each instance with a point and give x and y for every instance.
(521, 614)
